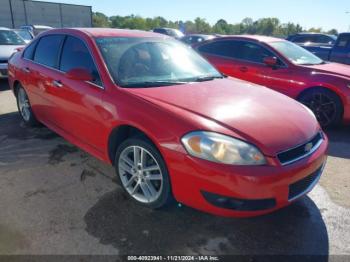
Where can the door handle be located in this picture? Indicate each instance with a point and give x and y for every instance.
(243, 69)
(57, 83)
(26, 70)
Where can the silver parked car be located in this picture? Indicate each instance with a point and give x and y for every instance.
(9, 43)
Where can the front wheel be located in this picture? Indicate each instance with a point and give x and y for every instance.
(25, 109)
(325, 104)
(142, 173)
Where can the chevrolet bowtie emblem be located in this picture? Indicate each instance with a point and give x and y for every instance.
(308, 147)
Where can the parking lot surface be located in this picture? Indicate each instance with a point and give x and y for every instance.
(56, 199)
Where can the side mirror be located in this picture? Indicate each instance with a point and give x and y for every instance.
(270, 61)
(79, 74)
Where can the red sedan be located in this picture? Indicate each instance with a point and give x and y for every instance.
(286, 68)
(170, 123)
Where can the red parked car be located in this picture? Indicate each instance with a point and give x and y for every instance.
(172, 125)
(287, 68)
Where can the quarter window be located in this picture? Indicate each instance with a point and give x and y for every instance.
(221, 48)
(29, 51)
(47, 50)
(75, 54)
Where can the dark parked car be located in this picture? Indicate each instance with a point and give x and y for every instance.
(339, 53)
(310, 39)
(194, 39)
(170, 32)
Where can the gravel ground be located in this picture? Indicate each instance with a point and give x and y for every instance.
(56, 199)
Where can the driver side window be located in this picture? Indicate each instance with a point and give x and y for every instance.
(75, 54)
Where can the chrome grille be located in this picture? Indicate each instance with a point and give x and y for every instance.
(292, 155)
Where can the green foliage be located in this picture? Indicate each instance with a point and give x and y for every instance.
(100, 20)
(265, 26)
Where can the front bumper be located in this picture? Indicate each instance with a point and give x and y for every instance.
(3, 71)
(243, 191)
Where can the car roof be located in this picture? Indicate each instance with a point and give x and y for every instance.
(5, 28)
(257, 38)
(107, 32)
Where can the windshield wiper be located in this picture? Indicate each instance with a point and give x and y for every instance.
(154, 84)
(208, 78)
(312, 64)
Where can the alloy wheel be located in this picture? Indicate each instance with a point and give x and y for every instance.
(140, 174)
(324, 108)
(23, 104)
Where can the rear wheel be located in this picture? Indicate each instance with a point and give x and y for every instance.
(142, 173)
(24, 108)
(325, 104)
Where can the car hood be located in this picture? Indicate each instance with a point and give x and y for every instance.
(7, 50)
(336, 69)
(270, 120)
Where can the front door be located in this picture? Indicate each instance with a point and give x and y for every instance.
(78, 103)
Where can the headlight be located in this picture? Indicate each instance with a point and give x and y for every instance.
(222, 149)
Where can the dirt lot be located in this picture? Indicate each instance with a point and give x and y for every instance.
(56, 199)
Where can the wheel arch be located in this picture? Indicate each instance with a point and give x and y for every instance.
(15, 86)
(338, 94)
(121, 133)
(330, 89)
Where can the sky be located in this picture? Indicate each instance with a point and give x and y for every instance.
(308, 13)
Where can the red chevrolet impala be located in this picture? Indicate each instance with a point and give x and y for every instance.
(170, 123)
(287, 68)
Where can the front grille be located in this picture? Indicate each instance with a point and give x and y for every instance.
(3, 61)
(302, 186)
(294, 154)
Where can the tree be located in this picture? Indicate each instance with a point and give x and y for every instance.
(333, 32)
(202, 27)
(265, 26)
(315, 30)
(100, 20)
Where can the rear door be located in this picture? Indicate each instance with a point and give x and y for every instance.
(41, 69)
(341, 50)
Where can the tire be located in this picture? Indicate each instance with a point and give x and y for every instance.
(149, 188)
(24, 108)
(325, 104)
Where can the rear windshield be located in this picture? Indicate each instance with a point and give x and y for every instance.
(10, 38)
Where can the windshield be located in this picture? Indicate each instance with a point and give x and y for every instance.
(10, 38)
(24, 34)
(147, 62)
(296, 54)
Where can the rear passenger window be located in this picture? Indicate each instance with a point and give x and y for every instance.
(237, 50)
(47, 50)
(29, 51)
(75, 54)
(221, 48)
